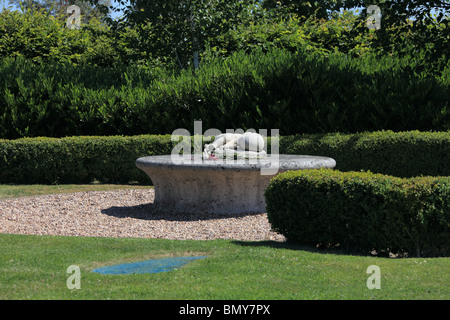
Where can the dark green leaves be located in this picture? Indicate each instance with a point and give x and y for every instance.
(362, 211)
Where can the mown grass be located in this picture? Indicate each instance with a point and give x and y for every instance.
(8, 191)
(35, 267)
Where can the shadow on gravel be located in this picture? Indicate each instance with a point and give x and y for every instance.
(150, 212)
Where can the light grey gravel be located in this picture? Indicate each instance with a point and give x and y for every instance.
(124, 213)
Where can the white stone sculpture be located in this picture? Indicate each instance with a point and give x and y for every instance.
(235, 145)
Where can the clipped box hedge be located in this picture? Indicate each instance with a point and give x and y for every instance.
(78, 159)
(362, 211)
(401, 154)
(112, 158)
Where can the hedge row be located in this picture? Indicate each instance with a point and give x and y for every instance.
(402, 154)
(362, 211)
(112, 158)
(301, 92)
(78, 159)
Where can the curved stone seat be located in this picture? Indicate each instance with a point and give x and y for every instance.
(219, 186)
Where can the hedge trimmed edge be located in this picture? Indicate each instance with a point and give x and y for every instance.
(362, 211)
(111, 159)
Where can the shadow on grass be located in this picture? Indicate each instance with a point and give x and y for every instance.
(150, 212)
(290, 245)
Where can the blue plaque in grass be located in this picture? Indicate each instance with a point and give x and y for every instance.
(149, 266)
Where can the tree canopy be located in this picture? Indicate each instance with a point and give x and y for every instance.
(58, 8)
(181, 29)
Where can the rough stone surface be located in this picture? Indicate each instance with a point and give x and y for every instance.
(224, 186)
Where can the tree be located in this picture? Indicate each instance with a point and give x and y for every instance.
(405, 24)
(301, 8)
(410, 26)
(181, 28)
(58, 8)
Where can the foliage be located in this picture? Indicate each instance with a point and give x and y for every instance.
(43, 38)
(299, 75)
(300, 92)
(58, 9)
(320, 35)
(79, 159)
(300, 8)
(402, 154)
(180, 31)
(362, 211)
(112, 159)
(181, 28)
(409, 26)
(406, 25)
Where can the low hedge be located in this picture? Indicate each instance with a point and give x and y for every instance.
(362, 211)
(78, 159)
(401, 154)
(112, 158)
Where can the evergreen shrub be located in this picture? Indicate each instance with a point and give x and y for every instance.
(362, 211)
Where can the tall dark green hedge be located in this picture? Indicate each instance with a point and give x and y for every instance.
(298, 92)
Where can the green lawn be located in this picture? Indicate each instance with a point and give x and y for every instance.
(35, 267)
(14, 191)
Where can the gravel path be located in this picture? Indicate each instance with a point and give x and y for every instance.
(123, 213)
